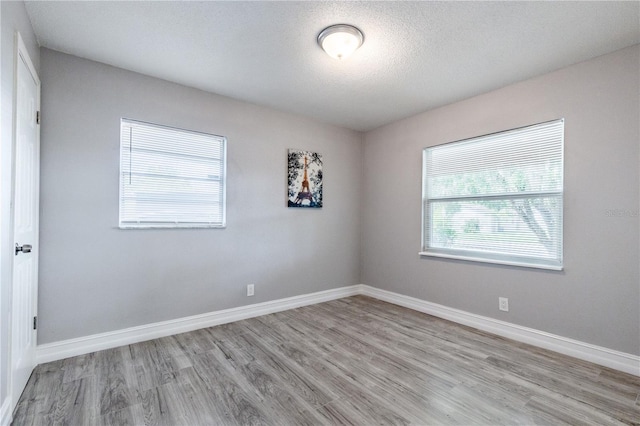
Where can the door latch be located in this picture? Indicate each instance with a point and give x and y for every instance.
(26, 248)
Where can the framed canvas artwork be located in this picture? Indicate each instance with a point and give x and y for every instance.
(305, 179)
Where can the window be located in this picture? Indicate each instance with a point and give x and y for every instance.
(496, 198)
(170, 178)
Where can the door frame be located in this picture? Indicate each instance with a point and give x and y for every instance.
(21, 54)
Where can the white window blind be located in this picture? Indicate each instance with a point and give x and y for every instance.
(496, 198)
(170, 177)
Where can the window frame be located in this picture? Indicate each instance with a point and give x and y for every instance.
(479, 255)
(182, 224)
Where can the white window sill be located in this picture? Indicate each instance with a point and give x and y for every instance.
(493, 261)
(172, 226)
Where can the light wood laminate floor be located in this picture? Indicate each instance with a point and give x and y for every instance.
(350, 361)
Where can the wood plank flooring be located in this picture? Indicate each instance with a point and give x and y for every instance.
(355, 361)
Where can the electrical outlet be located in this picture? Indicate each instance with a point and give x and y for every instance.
(503, 304)
(250, 290)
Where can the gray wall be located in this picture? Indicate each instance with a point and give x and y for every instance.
(96, 278)
(596, 298)
(14, 18)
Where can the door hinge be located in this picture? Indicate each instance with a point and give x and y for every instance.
(37, 117)
(35, 323)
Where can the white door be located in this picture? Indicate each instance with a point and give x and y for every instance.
(25, 221)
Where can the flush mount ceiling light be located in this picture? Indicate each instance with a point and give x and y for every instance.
(340, 41)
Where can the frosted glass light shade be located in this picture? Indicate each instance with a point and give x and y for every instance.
(340, 41)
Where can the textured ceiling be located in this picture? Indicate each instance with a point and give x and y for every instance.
(416, 55)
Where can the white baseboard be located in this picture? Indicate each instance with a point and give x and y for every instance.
(581, 350)
(5, 412)
(597, 354)
(96, 342)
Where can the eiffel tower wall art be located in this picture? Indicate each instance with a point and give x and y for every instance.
(305, 179)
